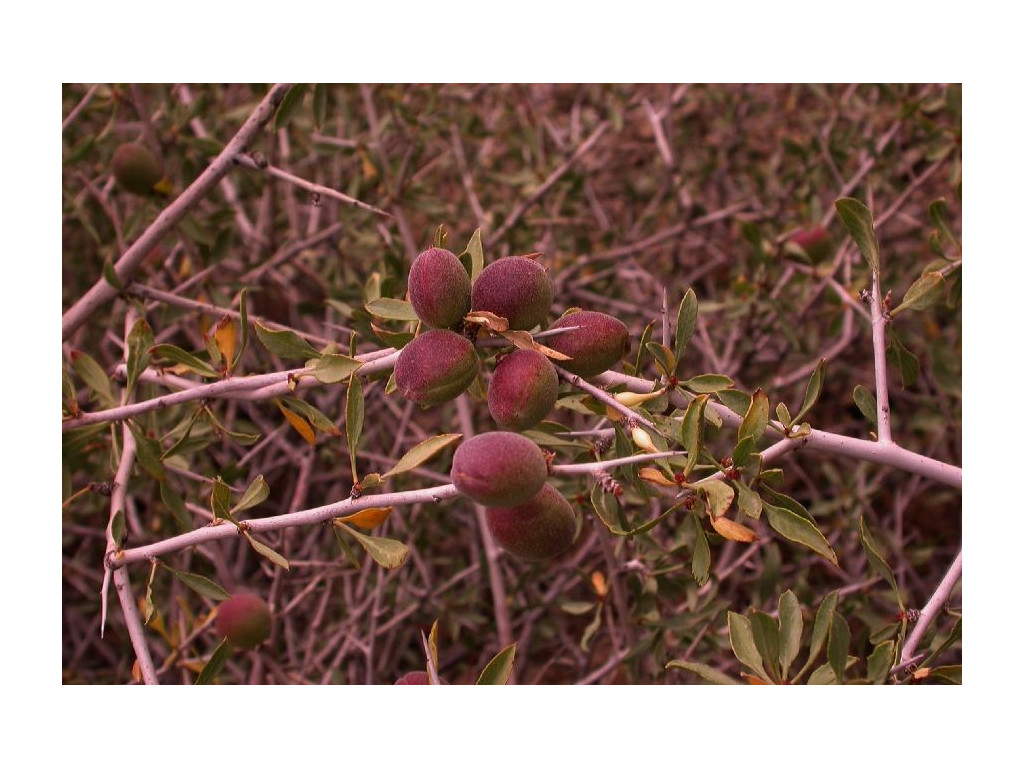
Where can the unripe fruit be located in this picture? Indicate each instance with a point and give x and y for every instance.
(244, 620)
(499, 469)
(516, 288)
(435, 367)
(523, 390)
(135, 169)
(539, 529)
(596, 345)
(439, 288)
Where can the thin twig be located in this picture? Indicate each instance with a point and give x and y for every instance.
(933, 607)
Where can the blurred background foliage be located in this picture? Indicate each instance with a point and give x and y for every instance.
(633, 193)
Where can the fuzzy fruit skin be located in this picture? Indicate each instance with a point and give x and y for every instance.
(435, 367)
(540, 529)
(499, 469)
(244, 620)
(516, 288)
(523, 390)
(439, 288)
(417, 677)
(135, 169)
(598, 344)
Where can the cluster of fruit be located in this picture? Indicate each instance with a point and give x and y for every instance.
(503, 470)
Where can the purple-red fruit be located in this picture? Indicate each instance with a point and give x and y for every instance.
(596, 345)
(539, 529)
(516, 288)
(499, 469)
(135, 169)
(418, 677)
(523, 390)
(439, 288)
(244, 620)
(815, 242)
(435, 367)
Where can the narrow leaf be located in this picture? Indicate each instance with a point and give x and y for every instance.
(225, 335)
(791, 629)
(354, 409)
(693, 430)
(301, 426)
(686, 321)
(214, 664)
(287, 345)
(368, 518)
(319, 105)
(701, 560)
(117, 527)
(718, 495)
(330, 369)
(707, 382)
(923, 294)
(878, 563)
(176, 505)
(220, 499)
(731, 530)
(664, 357)
(710, 674)
(736, 401)
(388, 553)
(391, 309)
(256, 493)
(290, 105)
(499, 669)
(749, 503)
(756, 419)
(838, 646)
(866, 404)
(741, 638)
(265, 551)
(813, 390)
(94, 376)
(799, 530)
(766, 637)
(880, 662)
(475, 252)
(312, 414)
(243, 324)
(200, 584)
(904, 360)
(179, 356)
(140, 340)
(822, 624)
(422, 452)
(111, 276)
(858, 222)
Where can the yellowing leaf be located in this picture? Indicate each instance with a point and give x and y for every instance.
(489, 320)
(597, 580)
(367, 519)
(652, 475)
(730, 529)
(226, 336)
(753, 679)
(301, 425)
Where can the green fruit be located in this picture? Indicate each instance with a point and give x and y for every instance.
(435, 367)
(499, 469)
(135, 169)
(523, 390)
(244, 620)
(439, 288)
(516, 288)
(599, 343)
(539, 529)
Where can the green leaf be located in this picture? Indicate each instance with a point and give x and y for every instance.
(858, 222)
(441, 236)
(287, 345)
(179, 356)
(256, 493)
(749, 503)
(736, 401)
(838, 646)
(220, 499)
(951, 674)
(786, 502)
(176, 505)
(388, 553)
(904, 360)
(498, 669)
(354, 420)
(312, 414)
(756, 419)
(822, 624)
(200, 584)
(923, 294)
(791, 629)
(432, 645)
(475, 252)
(110, 275)
(700, 564)
(880, 662)
(330, 369)
(346, 547)
(244, 438)
(265, 551)
(607, 508)
(422, 452)
(147, 453)
(686, 321)
(214, 664)
(766, 637)
(663, 356)
(938, 214)
(782, 413)
(707, 382)
(744, 454)
(391, 309)
(741, 638)
(693, 431)
(319, 105)
(710, 674)
(290, 105)
(878, 563)
(718, 495)
(813, 390)
(866, 404)
(645, 336)
(823, 675)
(243, 328)
(140, 340)
(94, 377)
(148, 608)
(117, 528)
(953, 637)
(799, 530)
